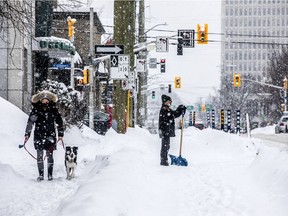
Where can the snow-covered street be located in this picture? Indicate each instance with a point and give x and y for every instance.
(120, 175)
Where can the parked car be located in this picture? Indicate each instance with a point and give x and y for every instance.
(282, 125)
(200, 125)
(101, 122)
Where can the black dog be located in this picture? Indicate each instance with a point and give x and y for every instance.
(71, 161)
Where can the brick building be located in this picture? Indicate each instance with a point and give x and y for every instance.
(82, 30)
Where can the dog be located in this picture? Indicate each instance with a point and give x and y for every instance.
(71, 161)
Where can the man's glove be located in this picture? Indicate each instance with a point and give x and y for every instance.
(182, 109)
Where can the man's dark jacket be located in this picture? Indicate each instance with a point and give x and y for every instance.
(167, 120)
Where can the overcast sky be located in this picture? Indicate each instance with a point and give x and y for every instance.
(199, 67)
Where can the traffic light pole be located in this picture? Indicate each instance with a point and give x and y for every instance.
(274, 86)
(261, 83)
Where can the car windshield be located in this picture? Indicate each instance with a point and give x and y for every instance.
(285, 119)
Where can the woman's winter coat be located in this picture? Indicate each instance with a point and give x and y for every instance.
(167, 120)
(46, 119)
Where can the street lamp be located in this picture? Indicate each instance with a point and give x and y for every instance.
(160, 24)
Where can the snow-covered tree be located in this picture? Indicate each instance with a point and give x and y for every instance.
(71, 103)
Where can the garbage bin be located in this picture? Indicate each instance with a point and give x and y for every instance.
(101, 122)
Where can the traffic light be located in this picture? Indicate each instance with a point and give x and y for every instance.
(71, 22)
(79, 82)
(169, 88)
(177, 82)
(162, 65)
(153, 94)
(202, 36)
(236, 80)
(203, 108)
(282, 107)
(285, 82)
(86, 76)
(180, 46)
(194, 117)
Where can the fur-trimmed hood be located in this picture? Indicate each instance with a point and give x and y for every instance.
(44, 94)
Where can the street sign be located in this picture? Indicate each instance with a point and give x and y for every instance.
(131, 80)
(162, 44)
(125, 84)
(141, 65)
(109, 49)
(119, 66)
(188, 37)
(190, 107)
(152, 63)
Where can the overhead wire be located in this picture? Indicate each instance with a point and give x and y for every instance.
(251, 36)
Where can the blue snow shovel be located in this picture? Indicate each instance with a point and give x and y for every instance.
(179, 161)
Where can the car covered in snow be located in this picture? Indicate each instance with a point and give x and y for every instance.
(101, 122)
(282, 125)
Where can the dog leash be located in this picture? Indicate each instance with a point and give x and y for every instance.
(20, 146)
(47, 152)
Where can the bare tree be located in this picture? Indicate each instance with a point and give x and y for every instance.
(277, 71)
(16, 15)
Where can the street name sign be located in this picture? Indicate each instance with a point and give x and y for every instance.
(162, 44)
(109, 49)
(119, 66)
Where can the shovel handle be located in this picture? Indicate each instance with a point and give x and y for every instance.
(181, 137)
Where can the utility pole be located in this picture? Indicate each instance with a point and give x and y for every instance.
(124, 30)
(91, 73)
(142, 77)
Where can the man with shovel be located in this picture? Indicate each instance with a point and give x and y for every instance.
(167, 126)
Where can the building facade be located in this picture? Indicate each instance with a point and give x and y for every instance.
(15, 57)
(82, 30)
(252, 30)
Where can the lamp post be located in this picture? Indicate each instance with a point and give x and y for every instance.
(150, 29)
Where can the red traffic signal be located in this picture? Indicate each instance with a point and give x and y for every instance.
(162, 65)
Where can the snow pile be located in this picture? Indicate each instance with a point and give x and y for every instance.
(120, 174)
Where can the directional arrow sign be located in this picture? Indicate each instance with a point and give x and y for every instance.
(109, 49)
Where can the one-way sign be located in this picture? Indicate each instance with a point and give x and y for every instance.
(109, 49)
